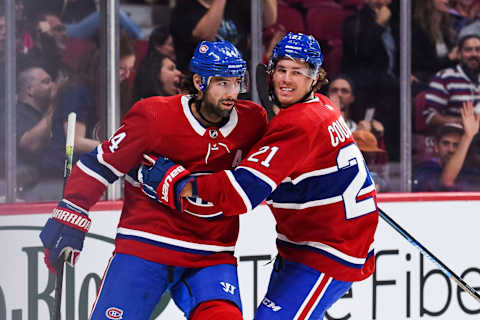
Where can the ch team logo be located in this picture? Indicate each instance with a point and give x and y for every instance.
(203, 48)
(114, 313)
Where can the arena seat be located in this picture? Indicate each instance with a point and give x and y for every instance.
(290, 18)
(325, 22)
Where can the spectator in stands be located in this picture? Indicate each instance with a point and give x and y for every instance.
(341, 92)
(463, 12)
(81, 18)
(370, 58)
(161, 41)
(374, 158)
(35, 107)
(70, 11)
(22, 31)
(433, 41)
(214, 20)
(157, 75)
(446, 171)
(452, 86)
(49, 46)
(82, 96)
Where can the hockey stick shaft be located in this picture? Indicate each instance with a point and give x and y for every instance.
(263, 89)
(72, 117)
(446, 270)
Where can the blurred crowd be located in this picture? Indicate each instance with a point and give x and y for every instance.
(58, 63)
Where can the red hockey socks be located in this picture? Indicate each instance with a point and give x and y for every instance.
(216, 310)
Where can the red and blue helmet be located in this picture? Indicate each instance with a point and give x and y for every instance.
(217, 59)
(298, 46)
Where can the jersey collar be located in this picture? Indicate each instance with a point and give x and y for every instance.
(225, 130)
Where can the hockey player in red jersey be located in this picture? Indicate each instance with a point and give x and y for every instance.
(314, 179)
(155, 248)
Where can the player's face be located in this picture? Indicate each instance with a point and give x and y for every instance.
(447, 146)
(470, 54)
(221, 96)
(290, 81)
(169, 76)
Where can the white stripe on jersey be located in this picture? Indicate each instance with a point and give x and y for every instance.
(212, 215)
(310, 204)
(260, 176)
(174, 242)
(239, 190)
(319, 172)
(133, 182)
(324, 247)
(91, 173)
(106, 164)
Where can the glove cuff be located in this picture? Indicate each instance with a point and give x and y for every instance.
(71, 216)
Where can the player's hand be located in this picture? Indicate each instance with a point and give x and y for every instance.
(163, 181)
(63, 233)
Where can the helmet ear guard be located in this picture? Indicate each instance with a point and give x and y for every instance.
(217, 59)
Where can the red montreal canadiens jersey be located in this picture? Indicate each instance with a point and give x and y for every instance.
(323, 197)
(166, 126)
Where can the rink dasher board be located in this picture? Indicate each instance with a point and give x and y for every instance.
(406, 285)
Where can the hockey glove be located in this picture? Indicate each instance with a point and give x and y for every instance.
(164, 182)
(64, 232)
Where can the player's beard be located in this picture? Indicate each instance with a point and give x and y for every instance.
(208, 108)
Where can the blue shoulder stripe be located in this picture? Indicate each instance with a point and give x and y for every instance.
(317, 187)
(90, 160)
(252, 186)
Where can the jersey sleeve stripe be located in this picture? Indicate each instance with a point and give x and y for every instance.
(174, 242)
(314, 173)
(132, 181)
(305, 205)
(317, 188)
(239, 190)
(75, 206)
(327, 250)
(91, 173)
(90, 160)
(260, 176)
(105, 163)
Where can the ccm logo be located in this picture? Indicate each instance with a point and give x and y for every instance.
(114, 313)
(168, 179)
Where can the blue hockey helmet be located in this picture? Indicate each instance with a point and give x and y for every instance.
(298, 46)
(217, 59)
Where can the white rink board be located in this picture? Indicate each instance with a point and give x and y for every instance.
(402, 290)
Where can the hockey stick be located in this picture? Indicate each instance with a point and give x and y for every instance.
(72, 117)
(263, 89)
(446, 270)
